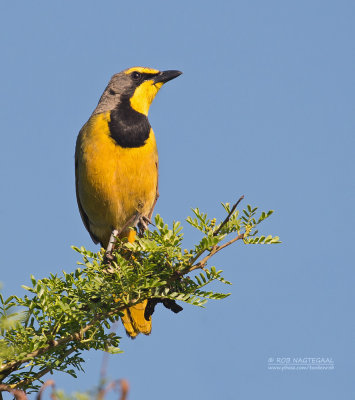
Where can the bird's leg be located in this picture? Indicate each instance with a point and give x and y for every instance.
(111, 243)
(115, 233)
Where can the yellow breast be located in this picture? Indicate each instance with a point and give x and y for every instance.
(113, 182)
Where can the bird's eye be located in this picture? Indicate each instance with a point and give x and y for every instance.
(136, 75)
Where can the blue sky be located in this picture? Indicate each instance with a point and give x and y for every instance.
(265, 108)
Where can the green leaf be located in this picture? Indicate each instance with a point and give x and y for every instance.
(114, 350)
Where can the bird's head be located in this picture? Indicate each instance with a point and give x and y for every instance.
(138, 85)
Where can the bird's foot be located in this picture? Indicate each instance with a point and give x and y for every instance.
(143, 223)
(108, 257)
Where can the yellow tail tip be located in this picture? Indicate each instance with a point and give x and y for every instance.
(134, 321)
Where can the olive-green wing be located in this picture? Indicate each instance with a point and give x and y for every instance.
(156, 193)
(83, 215)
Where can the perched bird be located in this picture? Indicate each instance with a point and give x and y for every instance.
(116, 165)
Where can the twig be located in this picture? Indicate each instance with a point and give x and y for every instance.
(18, 394)
(124, 389)
(50, 382)
(215, 249)
(123, 384)
(104, 365)
(216, 232)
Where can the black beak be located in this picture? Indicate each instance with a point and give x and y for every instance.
(166, 76)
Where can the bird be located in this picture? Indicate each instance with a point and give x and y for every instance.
(116, 167)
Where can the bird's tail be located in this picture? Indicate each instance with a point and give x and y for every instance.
(133, 318)
(134, 321)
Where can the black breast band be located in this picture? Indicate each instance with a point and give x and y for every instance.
(128, 127)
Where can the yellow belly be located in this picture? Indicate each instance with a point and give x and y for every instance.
(113, 182)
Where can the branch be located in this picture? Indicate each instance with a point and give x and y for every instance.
(215, 249)
(56, 343)
(27, 381)
(215, 233)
